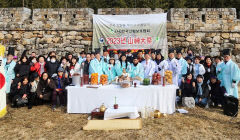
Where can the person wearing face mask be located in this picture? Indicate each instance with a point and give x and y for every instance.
(52, 53)
(9, 65)
(190, 54)
(39, 67)
(52, 66)
(66, 66)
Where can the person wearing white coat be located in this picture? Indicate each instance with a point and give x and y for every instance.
(198, 68)
(148, 65)
(161, 65)
(173, 66)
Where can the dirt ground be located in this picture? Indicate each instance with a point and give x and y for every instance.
(41, 123)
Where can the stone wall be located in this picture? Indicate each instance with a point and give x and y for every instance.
(207, 31)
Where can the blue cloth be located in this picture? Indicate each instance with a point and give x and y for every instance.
(229, 73)
(203, 101)
(119, 68)
(184, 66)
(200, 91)
(111, 72)
(137, 71)
(9, 73)
(96, 67)
(59, 83)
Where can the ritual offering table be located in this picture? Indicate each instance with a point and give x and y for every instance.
(85, 100)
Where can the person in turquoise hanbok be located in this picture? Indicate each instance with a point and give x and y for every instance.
(9, 66)
(183, 63)
(82, 57)
(122, 64)
(230, 74)
(218, 64)
(96, 65)
(110, 69)
(137, 70)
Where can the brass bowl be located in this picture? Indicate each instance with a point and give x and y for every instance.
(102, 108)
(157, 114)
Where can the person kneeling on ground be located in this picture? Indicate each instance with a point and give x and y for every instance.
(32, 99)
(20, 97)
(202, 92)
(217, 92)
(61, 81)
(45, 88)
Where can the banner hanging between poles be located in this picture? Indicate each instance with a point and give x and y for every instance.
(148, 31)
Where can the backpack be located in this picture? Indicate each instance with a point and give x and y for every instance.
(230, 106)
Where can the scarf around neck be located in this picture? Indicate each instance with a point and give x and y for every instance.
(199, 89)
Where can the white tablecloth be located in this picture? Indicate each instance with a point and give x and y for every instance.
(84, 100)
(111, 113)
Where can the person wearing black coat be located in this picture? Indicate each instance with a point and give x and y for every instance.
(209, 68)
(188, 86)
(45, 88)
(52, 66)
(20, 94)
(22, 69)
(202, 92)
(217, 92)
(60, 81)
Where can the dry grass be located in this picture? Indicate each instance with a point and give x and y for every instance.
(42, 123)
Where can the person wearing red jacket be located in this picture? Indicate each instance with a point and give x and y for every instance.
(39, 67)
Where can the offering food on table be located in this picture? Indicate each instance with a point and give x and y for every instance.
(125, 84)
(94, 78)
(103, 79)
(156, 79)
(146, 81)
(168, 76)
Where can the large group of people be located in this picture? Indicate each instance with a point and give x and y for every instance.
(38, 79)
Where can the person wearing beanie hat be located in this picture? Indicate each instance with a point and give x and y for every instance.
(61, 81)
(216, 92)
(230, 74)
(202, 92)
(198, 68)
(173, 66)
(148, 65)
(9, 66)
(183, 63)
(161, 64)
(122, 64)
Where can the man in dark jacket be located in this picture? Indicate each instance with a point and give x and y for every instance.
(202, 92)
(52, 66)
(61, 81)
(217, 92)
